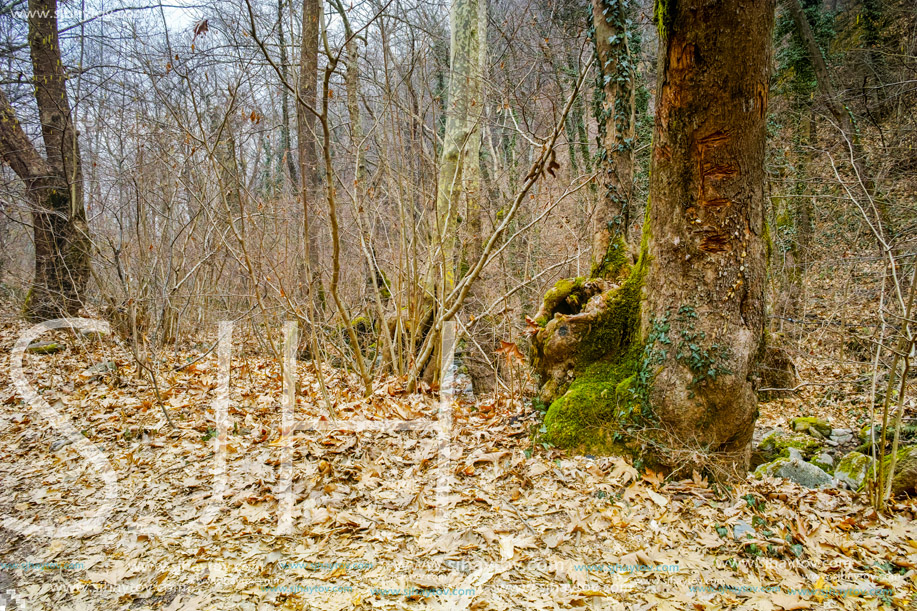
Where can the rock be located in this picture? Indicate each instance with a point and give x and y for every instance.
(853, 469)
(777, 445)
(741, 529)
(100, 369)
(905, 478)
(45, 347)
(57, 445)
(796, 470)
(92, 336)
(811, 426)
(840, 438)
(824, 461)
(870, 433)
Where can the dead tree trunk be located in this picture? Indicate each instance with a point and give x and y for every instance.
(54, 183)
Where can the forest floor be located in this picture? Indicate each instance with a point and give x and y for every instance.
(519, 527)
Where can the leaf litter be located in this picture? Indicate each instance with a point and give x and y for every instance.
(513, 526)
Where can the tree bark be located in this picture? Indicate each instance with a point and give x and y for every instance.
(615, 113)
(285, 100)
(706, 275)
(54, 184)
(459, 170)
(305, 130)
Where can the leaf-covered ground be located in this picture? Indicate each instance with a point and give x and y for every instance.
(517, 529)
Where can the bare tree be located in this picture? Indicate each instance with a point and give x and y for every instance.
(53, 182)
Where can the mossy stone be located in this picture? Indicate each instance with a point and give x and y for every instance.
(795, 469)
(853, 469)
(777, 445)
(808, 424)
(824, 462)
(905, 478)
(45, 347)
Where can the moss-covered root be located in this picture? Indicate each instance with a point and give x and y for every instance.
(596, 408)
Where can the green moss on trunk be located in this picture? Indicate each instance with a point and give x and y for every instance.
(609, 395)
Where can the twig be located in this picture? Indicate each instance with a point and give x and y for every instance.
(520, 516)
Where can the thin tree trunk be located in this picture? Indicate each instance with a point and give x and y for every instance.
(459, 170)
(615, 113)
(306, 140)
(285, 100)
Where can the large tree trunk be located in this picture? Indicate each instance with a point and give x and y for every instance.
(706, 275)
(54, 184)
(655, 359)
(615, 113)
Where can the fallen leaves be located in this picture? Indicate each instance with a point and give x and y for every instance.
(518, 529)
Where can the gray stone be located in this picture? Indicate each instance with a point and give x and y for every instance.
(45, 347)
(853, 469)
(841, 439)
(57, 445)
(796, 470)
(741, 529)
(101, 368)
